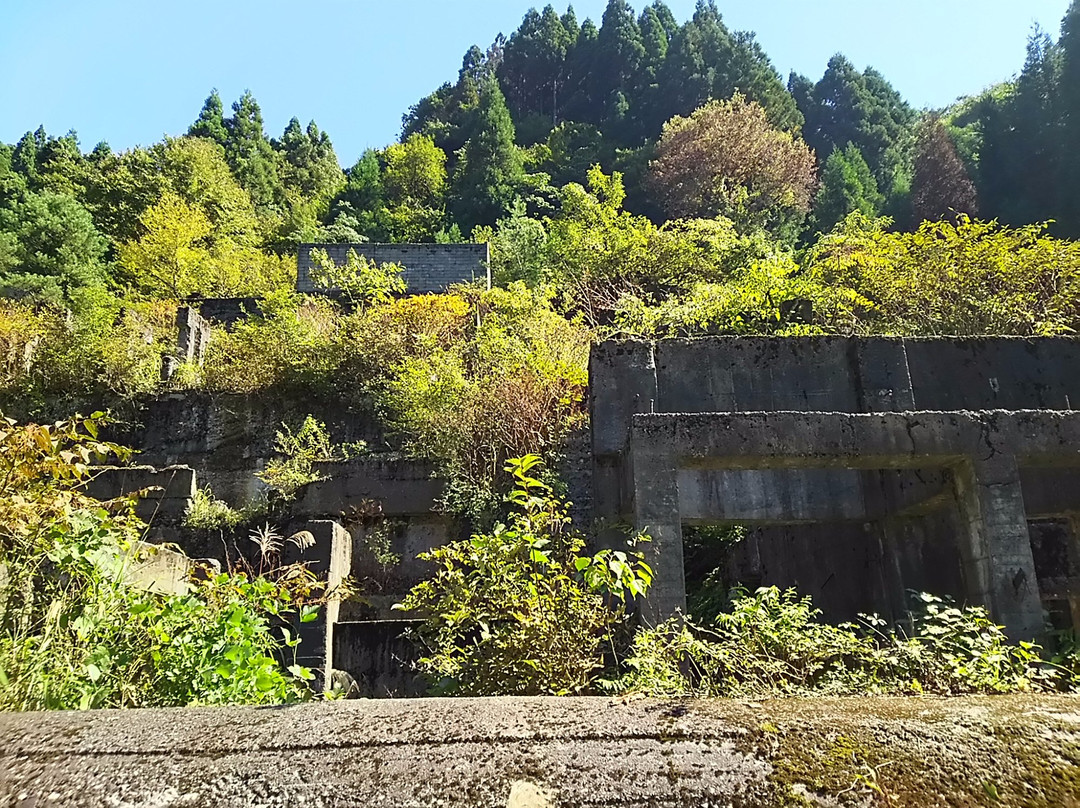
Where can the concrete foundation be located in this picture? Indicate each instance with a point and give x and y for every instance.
(924, 449)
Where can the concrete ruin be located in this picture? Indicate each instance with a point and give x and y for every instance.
(860, 469)
(924, 460)
(429, 268)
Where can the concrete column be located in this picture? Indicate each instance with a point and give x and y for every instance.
(330, 558)
(999, 569)
(656, 512)
(1074, 568)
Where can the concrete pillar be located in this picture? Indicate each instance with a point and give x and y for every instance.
(330, 558)
(656, 512)
(999, 569)
(1074, 569)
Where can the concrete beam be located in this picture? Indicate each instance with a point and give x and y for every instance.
(768, 440)
(330, 559)
(999, 568)
(580, 753)
(657, 513)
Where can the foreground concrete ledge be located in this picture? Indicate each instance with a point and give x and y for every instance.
(1005, 751)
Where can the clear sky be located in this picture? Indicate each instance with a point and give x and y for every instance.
(130, 71)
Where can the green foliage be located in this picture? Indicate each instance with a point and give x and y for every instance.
(208, 513)
(968, 277)
(360, 280)
(75, 634)
(863, 109)
(298, 452)
(490, 173)
(521, 610)
(56, 361)
(847, 185)
(285, 347)
(49, 247)
(772, 295)
(596, 253)
(773, 642)
(516, 385)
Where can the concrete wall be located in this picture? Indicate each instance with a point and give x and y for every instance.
(227, 438)
(403, 486)
(429, 268)
(551, 753)
(167, 492)
(910, 507)
(822, 374)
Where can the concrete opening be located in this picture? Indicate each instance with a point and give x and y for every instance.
(878, 465)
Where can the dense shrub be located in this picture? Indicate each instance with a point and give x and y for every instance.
(773, 642)
(103, 350)
(74, 634)
(968, 277)
(286, 346)
(521, 610)
(515, 386)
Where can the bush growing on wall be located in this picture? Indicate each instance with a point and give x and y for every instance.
(516, 386)
(103, 350)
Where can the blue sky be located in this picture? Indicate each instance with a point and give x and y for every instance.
(130, 72)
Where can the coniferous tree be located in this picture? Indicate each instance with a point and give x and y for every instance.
(941, 187)
(619, 54)
(24, 159)
(490, 173)
(581, 63)
(847, 185)
(355, 214)
(847, 106)
(534, 70)
(309, 164)
(250, 154)
(1022, 166)
(211, 121)
(1068, 138)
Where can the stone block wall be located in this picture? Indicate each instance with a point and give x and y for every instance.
(429, 268)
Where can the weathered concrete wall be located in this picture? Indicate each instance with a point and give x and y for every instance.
(227, 438)
(983, 451)
(429, 268)
(403, 486)
(228, 311)
(498, 753)
(908, 494)
(174, 488)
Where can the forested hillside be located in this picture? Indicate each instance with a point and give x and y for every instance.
(213, 211)
(637, 177)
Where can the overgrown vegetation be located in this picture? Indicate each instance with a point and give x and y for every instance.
(298, 451)
(77, 633)
(640, 178)
(522, 610)
(773, 643)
